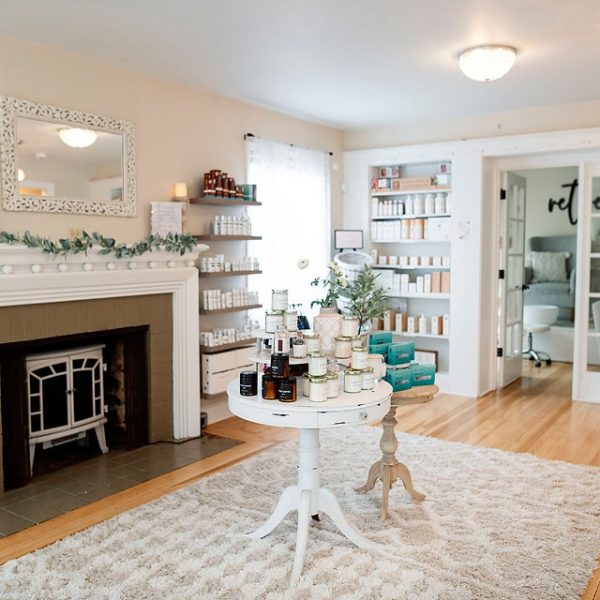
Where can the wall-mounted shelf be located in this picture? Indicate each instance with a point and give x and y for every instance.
(220, 311)
(421, 296)
(228, 273)
(225, 347)
(216, 201)
(430, 190)
(209, 237)
(420, 335)
(406, 217)
(410, 241)
(409, 268)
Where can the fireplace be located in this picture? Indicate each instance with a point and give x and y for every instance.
(51, 305)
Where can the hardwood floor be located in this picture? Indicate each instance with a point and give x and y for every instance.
(535, 415)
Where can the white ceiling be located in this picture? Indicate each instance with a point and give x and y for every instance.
(347, 63)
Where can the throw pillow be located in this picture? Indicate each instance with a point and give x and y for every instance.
(549, 266)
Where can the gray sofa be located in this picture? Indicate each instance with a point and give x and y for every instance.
(557, 293)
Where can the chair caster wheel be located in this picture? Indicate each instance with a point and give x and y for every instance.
(538, 364)
(531, 358)
(549, 362)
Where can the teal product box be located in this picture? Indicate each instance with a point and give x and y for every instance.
(400, 353)
(423, 374)
(380, 337)
(379, 349)
(399, 379)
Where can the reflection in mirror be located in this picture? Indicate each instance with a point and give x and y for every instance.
(56, 160)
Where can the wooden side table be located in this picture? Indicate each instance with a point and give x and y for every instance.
(388, 468)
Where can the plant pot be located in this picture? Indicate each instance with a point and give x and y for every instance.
(328, 324)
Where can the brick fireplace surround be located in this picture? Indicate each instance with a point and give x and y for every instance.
(42, 297)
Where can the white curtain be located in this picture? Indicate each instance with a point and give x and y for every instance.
(293, 185)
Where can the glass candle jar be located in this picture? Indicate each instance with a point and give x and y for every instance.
(317, 364)
(286, 390)
(368, 379)
(377, 362)
(279, 299)
(312, 341)
(352, 381)
(349, 326)
(318, 388)
(290, 320)
(280, 365)
(298, 348)
(360, 357)
(343, 346)
(273, 319)
(281, 340)
(306, 385)
(333, 385)
(269, 388)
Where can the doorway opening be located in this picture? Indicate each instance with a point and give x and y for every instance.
(537, 248)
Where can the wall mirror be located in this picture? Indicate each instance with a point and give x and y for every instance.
(65, 161)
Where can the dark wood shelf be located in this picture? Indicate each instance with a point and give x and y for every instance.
(209, 237)
(217, 201)
(224, 347)
(228, 310)
(228, 273)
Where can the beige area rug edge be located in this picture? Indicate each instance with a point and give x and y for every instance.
(494, 525)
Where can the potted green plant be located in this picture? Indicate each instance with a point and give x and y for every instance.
(364, 298)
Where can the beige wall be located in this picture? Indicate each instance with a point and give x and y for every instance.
(532, 120)
(180, 132)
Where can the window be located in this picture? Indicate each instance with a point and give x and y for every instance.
(293, 185)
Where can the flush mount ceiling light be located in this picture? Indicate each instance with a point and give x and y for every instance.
(487, 63)
(76, 137)
(20, 175)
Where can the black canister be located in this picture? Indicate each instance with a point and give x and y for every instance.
(248, 383)
(280, 365)
(286, 390)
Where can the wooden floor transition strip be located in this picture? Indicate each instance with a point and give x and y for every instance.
(76, 520)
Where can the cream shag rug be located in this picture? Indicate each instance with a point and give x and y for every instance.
(493, 525)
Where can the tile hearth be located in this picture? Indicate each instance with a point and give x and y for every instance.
(60, 490)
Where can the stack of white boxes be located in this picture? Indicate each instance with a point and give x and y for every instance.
(219, 369)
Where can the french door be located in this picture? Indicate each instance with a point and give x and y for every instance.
(586, 364)
(511, 279)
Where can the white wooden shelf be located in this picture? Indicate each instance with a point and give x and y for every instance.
(421, 335)
(407, 217)
(410, 241)
(434, 190)
(409, 268)
(422, 296)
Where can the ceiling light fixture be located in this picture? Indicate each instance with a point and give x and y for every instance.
(20, 175)
(487, 63)
(77, 138)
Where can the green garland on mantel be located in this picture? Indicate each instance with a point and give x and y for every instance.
(171, 242)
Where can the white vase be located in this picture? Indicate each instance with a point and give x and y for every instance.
(328, 324)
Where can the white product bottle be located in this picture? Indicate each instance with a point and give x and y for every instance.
(419, 204)
(440, 204)
(429, 204)
(448, 202)
(422, 324)
(409, 205)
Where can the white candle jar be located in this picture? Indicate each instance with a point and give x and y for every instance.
(352, 381)
(312, 341)
(367, 379)
(318, 388)
(360, 357)
(343, 347)
(290, 318)
(273, 319)
(349, 326)
(377, 363)
(333, 385)
(317, 364)
(279, 299)
(298, 348)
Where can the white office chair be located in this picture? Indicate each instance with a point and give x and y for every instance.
(538, 318)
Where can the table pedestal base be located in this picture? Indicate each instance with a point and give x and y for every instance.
(388, 468)
(308, 498)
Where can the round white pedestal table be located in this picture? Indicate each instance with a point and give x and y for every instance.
(307, 496)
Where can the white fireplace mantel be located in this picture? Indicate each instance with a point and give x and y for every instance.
(28, 276)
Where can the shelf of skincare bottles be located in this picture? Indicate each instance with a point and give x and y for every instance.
(235, 298)
(412, 205)
(231, 225)
(401, 323)
(220, 264)
(226, 336)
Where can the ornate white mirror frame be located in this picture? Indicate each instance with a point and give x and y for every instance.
(11, 108)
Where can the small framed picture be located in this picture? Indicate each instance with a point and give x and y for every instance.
(427, 357)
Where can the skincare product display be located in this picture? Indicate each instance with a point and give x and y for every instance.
(418, 229)
(218, 184)
(434, 282)
(427, 205)
(220, 264)
(439, 182)
(237, 297)
(412, 262)
(221, 337)
(227, 225)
